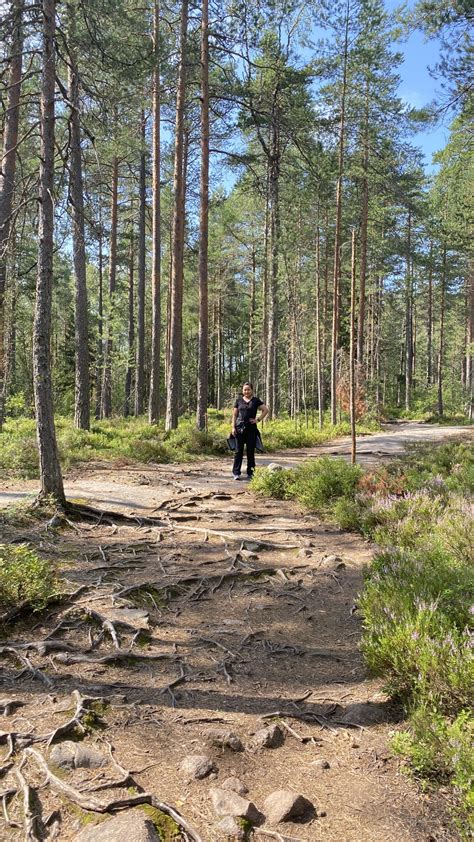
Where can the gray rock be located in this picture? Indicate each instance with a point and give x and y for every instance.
(331, 561)
(230, 829)
(197, 766)
(270, 737)
(274, 466)
(69, 755)
(320, 764)
(223, 738)
(228, 803)
(364, 713)
(235, 785)
(284, 806)
(132, 826)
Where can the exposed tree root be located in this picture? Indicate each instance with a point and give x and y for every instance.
(32, 831)
(91, 803)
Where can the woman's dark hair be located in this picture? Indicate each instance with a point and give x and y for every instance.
(247, 383)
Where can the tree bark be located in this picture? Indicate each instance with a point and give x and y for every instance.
(429, 322)
(106, 405)
(337, 237)
(352, 351)
(203, 339)
(140, 368)
(440, 404)
(177, 255)
(100, 321)
(408, 321)
(76, 192)
(8, 168)
(470, 340)
(363, 236)
(319, 378)
(131, 331)
(50, 471)
(154, 403)
(272, 334)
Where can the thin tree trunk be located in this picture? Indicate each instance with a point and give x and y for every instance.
(352, 341)
(177, 255)
(440, 404)
(272, 335)
(154, 404)
(429, 322)
(106, 405)
(76, 191)
(203, 339)
(7, 172)
(100, 322)
(131, 331)
(219, 352)
(140, 372)
(50, 471)
(319, 378)
(253, 288)
(337, 237)
(408, 322)
(363, 236)
(470, 340)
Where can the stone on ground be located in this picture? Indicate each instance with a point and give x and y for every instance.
(197, 766)
(270, 737)
(364, 713)
(133, 826)
(235, 785)
(320, 764)
(223, 738)
(69, 755)
(284, 806)
(230, 829)
(227, 803)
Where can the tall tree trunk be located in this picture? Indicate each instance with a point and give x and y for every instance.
(177, 255)
(429, 322)
(337, 237)
(440, 404)
(100, 321)
(266, 241)
(203, 340)
(140, 373)
(408, 321)
(319, 378)
(131, 330)
(251, 341)
(76, 192)
(154, 404)
(352, 343)
(272, 335)
(363, 235)
(7, 173)
(106, 405)
(50, 471)
(470, 340)
(219, 352)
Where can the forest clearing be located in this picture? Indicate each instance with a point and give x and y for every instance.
(215, 215)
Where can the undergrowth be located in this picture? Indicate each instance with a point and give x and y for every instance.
(135, 440)
(418, 597)
(25, 578)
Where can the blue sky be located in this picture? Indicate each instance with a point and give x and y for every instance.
(418, 88)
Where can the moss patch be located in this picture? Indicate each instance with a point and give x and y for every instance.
(165, 826)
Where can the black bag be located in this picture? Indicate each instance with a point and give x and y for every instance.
(232, 443)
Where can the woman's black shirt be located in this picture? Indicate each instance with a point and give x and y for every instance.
(247, 410)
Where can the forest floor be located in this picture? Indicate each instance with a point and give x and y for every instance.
(193, 609)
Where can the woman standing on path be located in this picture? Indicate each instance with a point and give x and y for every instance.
(244, 428)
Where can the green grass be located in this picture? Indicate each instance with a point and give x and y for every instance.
(418, 597)
(134, 440)
(25, 578)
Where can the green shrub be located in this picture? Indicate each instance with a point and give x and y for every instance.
(271, 483)
(319, 482)
(25, 578)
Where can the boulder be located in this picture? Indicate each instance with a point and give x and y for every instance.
(227, 803)
(270, 737)
(69, 755)
(132, 825)
(196, 766)
(235, 785)
(285, 806)
(223, 738)
(230, 829)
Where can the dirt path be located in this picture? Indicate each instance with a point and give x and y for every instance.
(226, 612)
